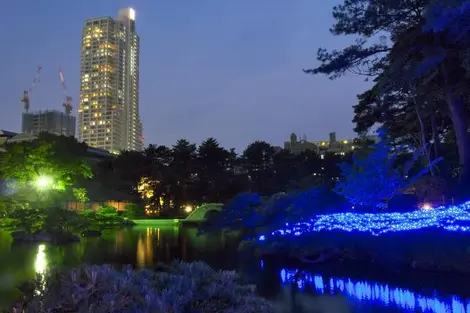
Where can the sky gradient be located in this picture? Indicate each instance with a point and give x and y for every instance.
(225, 69)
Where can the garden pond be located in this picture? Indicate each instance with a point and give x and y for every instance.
(311, 290)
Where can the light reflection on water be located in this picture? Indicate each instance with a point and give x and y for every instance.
(376, 293)
(148, 246)
(40, 265)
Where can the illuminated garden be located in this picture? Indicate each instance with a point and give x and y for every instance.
(382, 206)
(194, 227)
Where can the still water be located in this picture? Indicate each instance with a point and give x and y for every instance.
(289, 289)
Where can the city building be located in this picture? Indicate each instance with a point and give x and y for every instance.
(50, 121)
(296, 145)
(322, 147)
(108, 113)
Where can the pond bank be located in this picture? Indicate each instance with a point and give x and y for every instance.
(41, 236)
(422, 250)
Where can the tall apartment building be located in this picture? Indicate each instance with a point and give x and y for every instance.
(50, 121)
(108, 113)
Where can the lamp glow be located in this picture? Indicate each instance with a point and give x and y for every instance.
(426, 207)
(43, 182)
(188, 208)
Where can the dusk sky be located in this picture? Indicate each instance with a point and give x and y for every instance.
(227, 69)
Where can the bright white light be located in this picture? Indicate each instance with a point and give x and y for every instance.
(188, 208)
(43, 182)
(426, 207)
(131, 14)
(41, 262)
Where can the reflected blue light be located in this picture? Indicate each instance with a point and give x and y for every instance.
(454, 218)
(374, 292)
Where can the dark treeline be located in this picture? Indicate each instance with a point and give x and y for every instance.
(185, 173)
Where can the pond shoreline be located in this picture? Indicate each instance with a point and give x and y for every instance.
(451, 281)
(146, 247)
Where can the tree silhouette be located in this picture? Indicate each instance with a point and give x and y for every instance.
(258, 160)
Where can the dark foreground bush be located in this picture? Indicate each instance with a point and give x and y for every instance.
(182, 288)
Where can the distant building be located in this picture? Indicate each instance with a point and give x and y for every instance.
(298, 146)
(332, 145)
(108, 113)
(50, 121)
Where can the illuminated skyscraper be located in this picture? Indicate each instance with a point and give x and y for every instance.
(108, 113)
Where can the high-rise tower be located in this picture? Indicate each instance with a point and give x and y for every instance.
(108, 114)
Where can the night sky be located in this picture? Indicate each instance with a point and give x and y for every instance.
(227, 69)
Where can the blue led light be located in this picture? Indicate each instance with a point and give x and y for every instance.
(454, 218)
(375, 292)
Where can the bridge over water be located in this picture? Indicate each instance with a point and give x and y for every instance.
(202, 213)
(199, 214)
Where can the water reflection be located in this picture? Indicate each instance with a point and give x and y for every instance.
(376, 293)
(147, 246)
(40, 265)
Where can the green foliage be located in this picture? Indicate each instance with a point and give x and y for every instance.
(107, 210)
(106, 216)
(7, 204)
(56, 220)
(60, 158)
(87, 213)
(182, 287)
(132, 210)
(80, 194)
(62, 220)
(28, 219)
(50, 220)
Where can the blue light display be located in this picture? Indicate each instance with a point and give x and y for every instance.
(453, 218)
(382, 294)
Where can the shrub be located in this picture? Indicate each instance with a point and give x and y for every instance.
(108, 215)
(133, 210)
(59, 220)
(27, 219)
(182, 287)
(107, 210)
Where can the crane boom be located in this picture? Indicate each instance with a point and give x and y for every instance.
(26, 94)
(67, 99)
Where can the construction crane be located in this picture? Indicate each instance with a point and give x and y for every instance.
(26, 93)
(67, 99)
